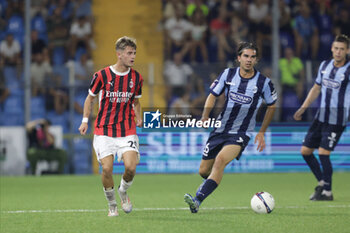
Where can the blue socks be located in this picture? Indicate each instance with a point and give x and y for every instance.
(206, 189)
(327, 172)
(200, 187)
(326, 175)
(314, 166)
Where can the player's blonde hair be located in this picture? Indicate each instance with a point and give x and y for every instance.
(125, 41)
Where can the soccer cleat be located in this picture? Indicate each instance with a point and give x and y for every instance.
(113, 211)
(193, 203)
(317, 193)
(125, 201)
(324, 197)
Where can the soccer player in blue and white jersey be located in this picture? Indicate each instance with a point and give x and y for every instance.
(333, 83)
(244, 88)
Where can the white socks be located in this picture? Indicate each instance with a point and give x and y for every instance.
(327, 193)
(110, 196)
(321, 183)
(124, 185)
(324, 192)
(110, 192)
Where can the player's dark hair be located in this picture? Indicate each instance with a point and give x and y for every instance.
(48, 122)
(125, 41)
(246, 45)
(343, 38)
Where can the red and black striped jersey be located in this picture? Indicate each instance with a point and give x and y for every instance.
(117, 91)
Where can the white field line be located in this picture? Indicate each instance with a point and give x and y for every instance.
(159, 209)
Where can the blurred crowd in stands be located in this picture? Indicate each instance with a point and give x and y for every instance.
(201, 37)
(198, 32)
(61, 33)
(209, 30)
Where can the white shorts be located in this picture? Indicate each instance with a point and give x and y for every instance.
(105, 146)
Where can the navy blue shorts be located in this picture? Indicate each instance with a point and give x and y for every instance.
(323, 135)
(217, 141)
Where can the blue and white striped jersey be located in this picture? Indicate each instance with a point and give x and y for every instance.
(335, 91)
(243, 98)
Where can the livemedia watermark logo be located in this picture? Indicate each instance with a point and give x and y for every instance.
(157, 120)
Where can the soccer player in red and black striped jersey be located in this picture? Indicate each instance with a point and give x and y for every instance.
(119, 89)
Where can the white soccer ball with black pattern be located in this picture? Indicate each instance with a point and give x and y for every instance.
(262, 203)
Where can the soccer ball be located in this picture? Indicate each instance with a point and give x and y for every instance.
(262, 203)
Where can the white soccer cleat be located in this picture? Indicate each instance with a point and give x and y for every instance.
(113, 211)
(125, 201)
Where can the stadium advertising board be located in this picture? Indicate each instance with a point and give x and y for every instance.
(180, 151)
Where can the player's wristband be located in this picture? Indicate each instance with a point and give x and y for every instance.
(85, 120)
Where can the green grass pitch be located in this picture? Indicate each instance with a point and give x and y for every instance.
(77, 204)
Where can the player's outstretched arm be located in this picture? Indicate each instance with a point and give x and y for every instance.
(313, 94)
(260, 138)
(208, 106)
(87, 110)
(137, 109)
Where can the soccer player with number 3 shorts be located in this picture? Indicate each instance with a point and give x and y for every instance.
(119, 89)
(333, 82)
(244, 88)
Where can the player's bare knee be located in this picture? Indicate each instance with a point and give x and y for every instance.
(130, 172)
(323, 151)
(107, 171)
(204, 173)
(305, 151)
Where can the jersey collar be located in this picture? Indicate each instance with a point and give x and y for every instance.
(118, 73)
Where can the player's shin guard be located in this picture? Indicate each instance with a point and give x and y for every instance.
(207, 188)
(314, 166)
(110, 196)
(327, 172)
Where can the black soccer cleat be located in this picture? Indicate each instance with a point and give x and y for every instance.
(317, 193)
(324, 197)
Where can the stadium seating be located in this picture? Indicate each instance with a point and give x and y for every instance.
(286, 40)
(290, 104)
(38, 107)
(12, 119)
(58, 56)
(13, 82)
(38, 24)
(79, 52)
(82, 156)
(14, 104)
(15, 26)
(63, 71)
(10, 74)
(61, 120)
